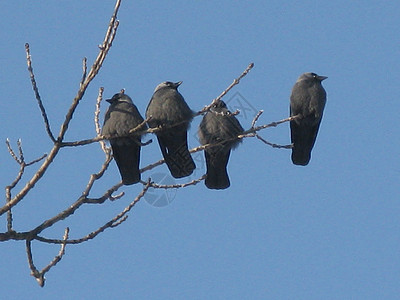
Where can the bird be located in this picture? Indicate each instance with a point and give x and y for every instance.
(218, 126)
(168, 111)
(120, 118)
(308, 100)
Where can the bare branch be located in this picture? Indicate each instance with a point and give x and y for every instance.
(235, 82)
(253, 123)
(109, 37)
(20, 152)
(117, 220)
(101, 138)
(34, 271)
(97, 121)
(11, 151)
(37, 95)
(97, 111)
(140, 126)
(81, 200)
(61, 253)
(84, 71)
(21, 161)
(251, 131)
(273, 124)
(104, 48)
(70, 210)
(175, 186)
(152, 166)
(36, 160)
(97, 175)
(83, 142)
(273, 145)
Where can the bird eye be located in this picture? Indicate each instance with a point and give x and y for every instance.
(314, 75)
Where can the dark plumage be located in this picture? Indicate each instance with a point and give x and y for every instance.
(122, 116)
(168, 109)
(219, 126)
(307, 99)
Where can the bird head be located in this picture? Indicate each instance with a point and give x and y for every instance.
(120, 97)
(312, 76)
(168, 84)
(219, 104)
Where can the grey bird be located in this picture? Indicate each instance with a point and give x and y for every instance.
(120, 118)
(308, 100)
(169, 112)
(219, 127)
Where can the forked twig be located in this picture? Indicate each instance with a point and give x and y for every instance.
(34, 271)
(114, 222)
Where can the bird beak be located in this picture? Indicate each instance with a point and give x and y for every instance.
(178, 83)
(109, 100)
(322, 78)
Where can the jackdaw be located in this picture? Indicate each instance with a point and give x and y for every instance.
(308, 100)
(219, 127)
(171, 114)
(122, 116)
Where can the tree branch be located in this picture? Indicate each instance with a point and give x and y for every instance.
(34, 271)
(37, 95)
(110, 35)
(114, 222)
(235, 82)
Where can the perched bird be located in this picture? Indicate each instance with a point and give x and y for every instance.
(307, 100)
(122, 116)
(219, 127)
(169, 112)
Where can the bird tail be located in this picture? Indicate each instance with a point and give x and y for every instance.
(176, 154)
(127, 158)
(217, 176)
(303, 139)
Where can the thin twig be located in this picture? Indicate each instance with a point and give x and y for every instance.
(11, 151)
(273, 145)
(21, 161)
(175, 186)
(109, 37)
(60, 254)
(107, 195)
(37, 95)
(140, 126)
(117, 220)
(34, 271)
(272, 124)
(104, 48)
(235, 82)
(36, 160)
(84, 71)
(253, 123)
(134, 131)
(97, 121)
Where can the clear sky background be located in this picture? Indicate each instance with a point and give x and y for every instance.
(330, 230)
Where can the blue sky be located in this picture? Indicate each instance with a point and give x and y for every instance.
(326, 231)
